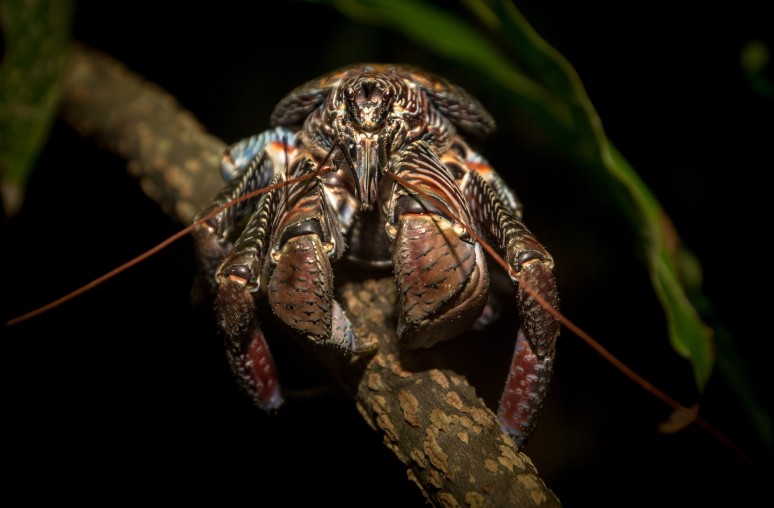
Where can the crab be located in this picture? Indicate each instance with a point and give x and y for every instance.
(368, 165)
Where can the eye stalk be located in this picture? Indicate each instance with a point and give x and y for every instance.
(368, 101)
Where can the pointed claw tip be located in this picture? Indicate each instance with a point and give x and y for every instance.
(273, 402)
(518, 437)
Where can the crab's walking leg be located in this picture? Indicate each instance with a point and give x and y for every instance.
(531, 367)
(238, 279)
(232, 267)
(247, 166)
(253, 367)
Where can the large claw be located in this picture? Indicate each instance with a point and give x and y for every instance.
(301, 294)
(442, 280)
(300, 289)
(439, 270)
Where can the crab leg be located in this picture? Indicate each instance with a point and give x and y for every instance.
(530, 372)
(231, 268)
(247, 166)
(253, 367)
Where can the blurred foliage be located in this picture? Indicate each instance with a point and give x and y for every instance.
(35, 43)
(755, 58)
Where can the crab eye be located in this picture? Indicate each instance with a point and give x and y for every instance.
(387, 94)
(349, 93)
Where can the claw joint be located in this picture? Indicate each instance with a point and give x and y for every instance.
(527, 256)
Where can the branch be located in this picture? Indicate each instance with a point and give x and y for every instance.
(431, 419)
(176, 160)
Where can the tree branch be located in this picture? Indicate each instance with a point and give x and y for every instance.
(431, 419)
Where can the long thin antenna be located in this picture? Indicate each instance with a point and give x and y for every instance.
(150, 252)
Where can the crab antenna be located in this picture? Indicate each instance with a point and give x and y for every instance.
(577, 330)
(150, 252)
(180, 234)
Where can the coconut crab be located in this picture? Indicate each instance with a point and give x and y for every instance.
(367, 163)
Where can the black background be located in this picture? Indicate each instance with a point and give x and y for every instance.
(125, 394)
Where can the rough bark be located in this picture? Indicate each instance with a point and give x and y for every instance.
(171, 153)
(431, 419)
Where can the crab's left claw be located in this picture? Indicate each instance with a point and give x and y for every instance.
(301, 294)
(300, 288)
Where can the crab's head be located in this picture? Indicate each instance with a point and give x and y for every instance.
(369, 99)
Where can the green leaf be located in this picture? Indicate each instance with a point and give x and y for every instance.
(36, 37)
(689, 336)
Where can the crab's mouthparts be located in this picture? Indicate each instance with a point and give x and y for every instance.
(366, 172)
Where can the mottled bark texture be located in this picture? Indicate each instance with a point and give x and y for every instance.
(176, 160)
(431, 419)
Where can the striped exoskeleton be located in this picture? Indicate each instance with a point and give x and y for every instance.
(392, 183)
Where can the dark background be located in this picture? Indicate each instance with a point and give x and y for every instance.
(124, 393)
